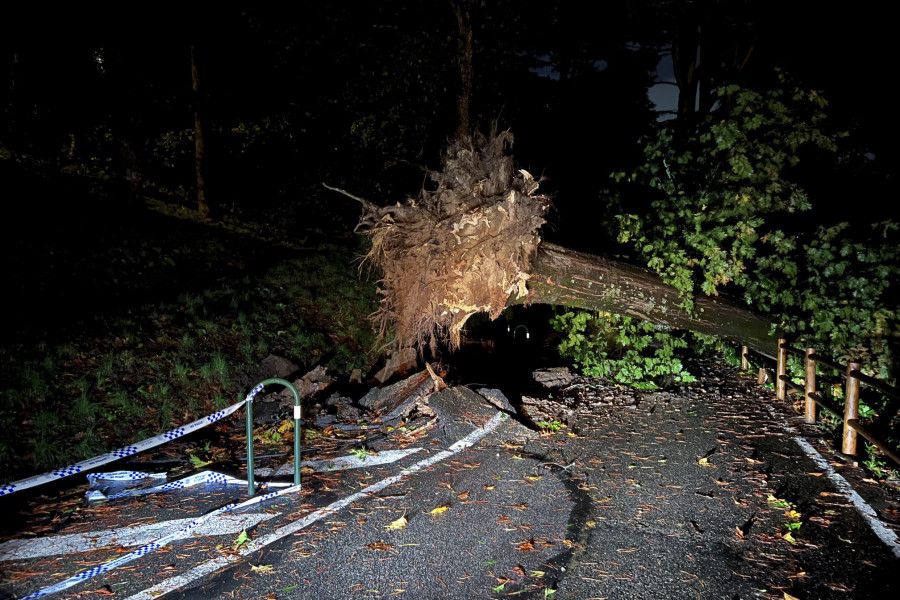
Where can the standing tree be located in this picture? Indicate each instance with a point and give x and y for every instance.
(199, 139)
(462, 10)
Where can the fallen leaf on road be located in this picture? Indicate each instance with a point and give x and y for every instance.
(398, 523)
(241, 540)
(379, 546)
(789, 597)
(838, 587)
(439, 509)
(525, 546)
(262, 568)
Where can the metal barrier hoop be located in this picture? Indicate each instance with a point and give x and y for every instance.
(251, 486)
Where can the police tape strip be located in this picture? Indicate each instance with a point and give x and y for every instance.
(458, 446)
(93, 478)
(154, 545)
(180, 484)
(97, 461)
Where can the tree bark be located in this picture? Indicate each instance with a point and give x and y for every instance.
(199, 142)
(462, 9)
(565, 277)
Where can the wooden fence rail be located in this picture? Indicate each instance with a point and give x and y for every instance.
(853, 378)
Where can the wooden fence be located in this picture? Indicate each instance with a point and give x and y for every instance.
(853, 378)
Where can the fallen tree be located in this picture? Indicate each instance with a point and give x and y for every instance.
(565, 277)
(472, 244)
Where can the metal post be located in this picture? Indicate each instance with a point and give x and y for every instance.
(251, 489)
(851, 407)
(297, 415)
(810, 416)
(781, 369)
(745, 363)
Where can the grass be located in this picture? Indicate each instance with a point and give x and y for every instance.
(118, 378)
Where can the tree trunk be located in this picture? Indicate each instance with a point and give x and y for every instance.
(199, 145)
(565, 277)
(462, 9)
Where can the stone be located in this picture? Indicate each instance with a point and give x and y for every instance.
(497, 398)
(554, 377)
(278, 366)
(401, 362)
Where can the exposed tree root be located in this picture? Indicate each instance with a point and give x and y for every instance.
(463, 247)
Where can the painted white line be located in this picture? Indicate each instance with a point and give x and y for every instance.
(342, 462)
(867, 512)
(211, 566)
(124, 537)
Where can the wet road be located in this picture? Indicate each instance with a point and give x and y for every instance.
(705, 493)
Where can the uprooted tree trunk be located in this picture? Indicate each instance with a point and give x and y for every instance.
(472, 244)
(564, 277)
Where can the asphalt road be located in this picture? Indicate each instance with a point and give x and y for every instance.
(657, 495)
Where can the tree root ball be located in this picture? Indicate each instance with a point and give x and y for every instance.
(463, 247)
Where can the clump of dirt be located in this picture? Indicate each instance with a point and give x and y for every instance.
(457, 249)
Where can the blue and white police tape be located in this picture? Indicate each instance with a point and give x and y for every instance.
(125, 451)
(155, 544)
(119, 476)
(180, 484)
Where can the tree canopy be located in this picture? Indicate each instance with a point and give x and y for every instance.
(367, 95)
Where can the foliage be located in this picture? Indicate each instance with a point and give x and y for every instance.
(718, 194)
(182, 352)
(876, 465)
(624, 349)
(724, 214)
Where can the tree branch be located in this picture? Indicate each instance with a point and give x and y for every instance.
(362, 201)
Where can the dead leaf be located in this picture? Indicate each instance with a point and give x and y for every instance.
(262, 568)
(526, 546)
(439, 509)
(789, 597)
(398, 523)
(385, 546)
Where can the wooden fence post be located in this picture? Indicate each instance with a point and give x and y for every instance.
(810, 416)
(745, 363)
(851, 407)
(781, 369)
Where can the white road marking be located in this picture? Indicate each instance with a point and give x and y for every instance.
(124, 537)
(215, 564)
(867, 512)
(342, 462)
